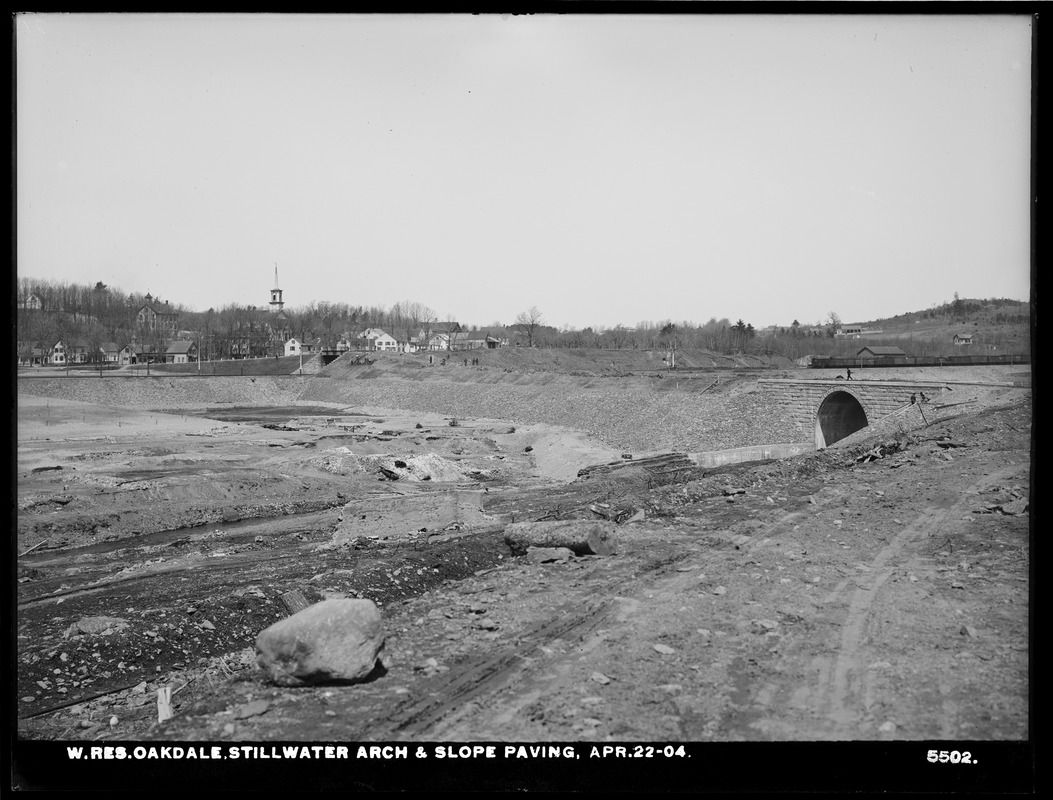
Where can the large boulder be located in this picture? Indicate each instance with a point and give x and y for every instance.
(332, 641)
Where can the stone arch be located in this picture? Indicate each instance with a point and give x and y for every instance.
(840, 414)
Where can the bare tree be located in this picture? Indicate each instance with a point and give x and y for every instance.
(833, 323)
(529, 321)
(410, 315)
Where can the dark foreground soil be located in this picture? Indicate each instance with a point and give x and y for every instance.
(874, 592)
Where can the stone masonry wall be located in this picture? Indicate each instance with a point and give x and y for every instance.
(802, 399)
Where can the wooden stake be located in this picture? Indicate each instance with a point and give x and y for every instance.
(164, 703)
(34, 547)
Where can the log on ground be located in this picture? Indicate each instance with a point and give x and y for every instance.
(584, 537)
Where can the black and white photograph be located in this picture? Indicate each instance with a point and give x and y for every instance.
(523, 401)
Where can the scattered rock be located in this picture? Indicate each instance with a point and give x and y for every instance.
(546, 555)
(766, 624)
(253, 709)
(599, 677)
(207, 625)
(335, 640)
(888, 727)
(1015, 507)
(97, 625)
(664, 649)
(967, 630)
(719, 590)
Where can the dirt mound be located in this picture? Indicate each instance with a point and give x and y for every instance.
(425, 467)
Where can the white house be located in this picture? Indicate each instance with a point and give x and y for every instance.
(381, 340)
(58, 354)
(439, 341)
(295, 347)
(962, 338)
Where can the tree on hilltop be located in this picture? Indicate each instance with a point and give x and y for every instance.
(529, 321)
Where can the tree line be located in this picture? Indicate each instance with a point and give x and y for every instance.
(94, 314)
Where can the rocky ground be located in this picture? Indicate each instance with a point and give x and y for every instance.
(877, 591)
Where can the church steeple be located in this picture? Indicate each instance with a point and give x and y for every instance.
(276, 293)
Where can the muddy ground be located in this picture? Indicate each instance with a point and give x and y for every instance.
(877, 591)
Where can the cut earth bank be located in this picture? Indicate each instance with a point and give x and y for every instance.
(876, 590)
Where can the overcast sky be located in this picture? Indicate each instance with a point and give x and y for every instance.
(605, 168)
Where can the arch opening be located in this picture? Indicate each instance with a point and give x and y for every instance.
(840, 415)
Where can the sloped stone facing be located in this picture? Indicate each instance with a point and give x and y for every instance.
(335, 640)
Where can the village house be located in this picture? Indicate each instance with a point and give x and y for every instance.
(438, 341)
(181, 352)
(148, 354)
(110, 353)
(77, 353)
(295, 347)
(437, 336)
(962, 338)
(380, 340)
(476, 340)
(29, 356)
(57, 356)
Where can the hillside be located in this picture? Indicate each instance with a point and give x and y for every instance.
(997, 326)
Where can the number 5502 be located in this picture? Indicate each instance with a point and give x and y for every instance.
(952, 756)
